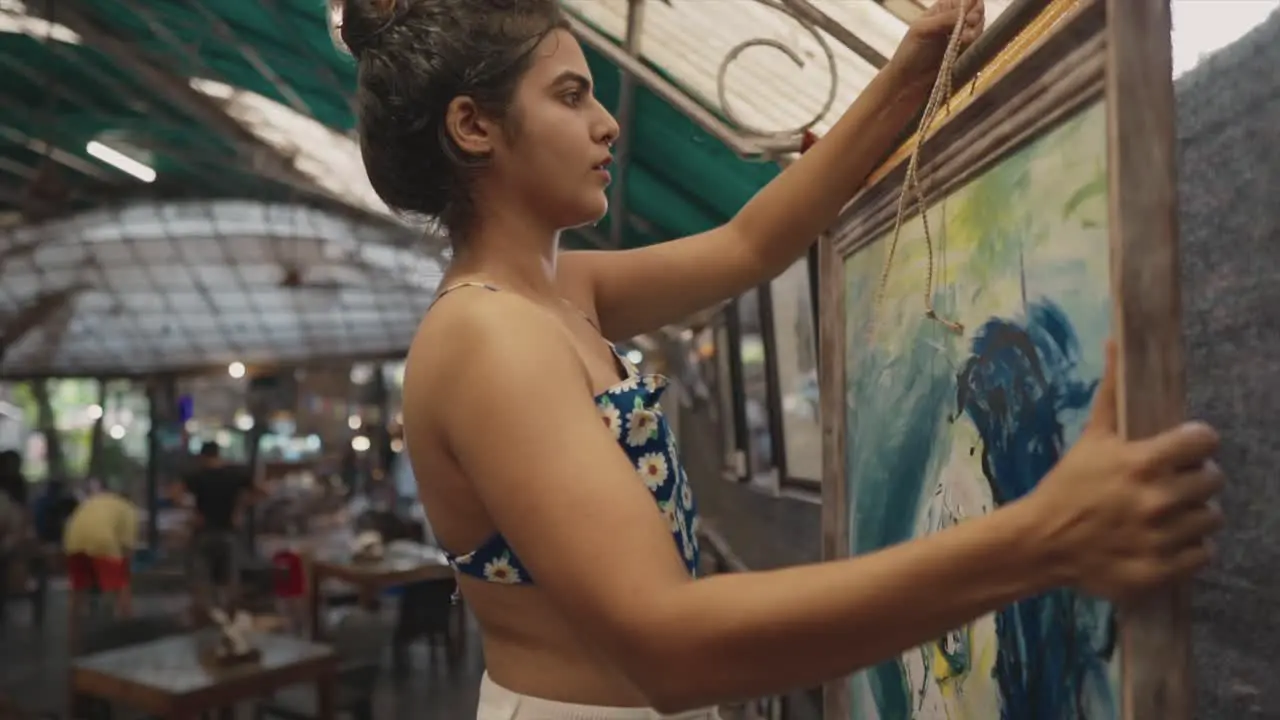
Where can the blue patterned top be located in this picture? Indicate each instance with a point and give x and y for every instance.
(630, 409)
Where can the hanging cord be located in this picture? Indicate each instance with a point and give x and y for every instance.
(940, 95)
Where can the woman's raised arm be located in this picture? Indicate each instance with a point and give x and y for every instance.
(521, 421)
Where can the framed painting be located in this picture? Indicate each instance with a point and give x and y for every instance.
(1049, 226)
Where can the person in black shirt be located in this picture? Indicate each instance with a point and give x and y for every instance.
(220, 491)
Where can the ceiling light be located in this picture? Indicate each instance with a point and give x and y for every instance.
(120, 161)
(16, 19)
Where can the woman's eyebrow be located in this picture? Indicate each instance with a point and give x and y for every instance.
(571, 77)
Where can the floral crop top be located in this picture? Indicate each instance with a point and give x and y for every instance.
(631, 410)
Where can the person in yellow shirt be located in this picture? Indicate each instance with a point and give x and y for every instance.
(98, 541)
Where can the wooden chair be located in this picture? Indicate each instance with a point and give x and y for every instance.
(429, 610)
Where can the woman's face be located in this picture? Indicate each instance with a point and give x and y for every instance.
(556, 154)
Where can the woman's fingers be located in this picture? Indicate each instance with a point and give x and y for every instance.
(1187, 446)
(1187, 490)
(1191, 529)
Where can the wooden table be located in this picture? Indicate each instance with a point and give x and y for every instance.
(369, 577)
(167, 678)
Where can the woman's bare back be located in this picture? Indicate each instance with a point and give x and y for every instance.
(530, 646)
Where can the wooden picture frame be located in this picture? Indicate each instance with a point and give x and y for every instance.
(1039, 64)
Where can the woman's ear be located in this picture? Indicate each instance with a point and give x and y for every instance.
(470, 130)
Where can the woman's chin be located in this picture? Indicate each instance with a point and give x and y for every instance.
(593, 213)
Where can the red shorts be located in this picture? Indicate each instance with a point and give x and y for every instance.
(290, 577)
(106, 573)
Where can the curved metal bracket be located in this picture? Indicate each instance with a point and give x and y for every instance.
(722, 76)
(725, 123)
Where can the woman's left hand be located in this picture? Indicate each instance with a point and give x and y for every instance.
(920, 53)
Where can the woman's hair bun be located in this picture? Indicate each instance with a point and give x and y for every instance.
(356, 24)
(415, 57)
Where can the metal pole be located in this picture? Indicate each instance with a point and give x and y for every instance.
(807, 13)
(626, 115)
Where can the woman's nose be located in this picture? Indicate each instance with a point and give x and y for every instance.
(609, 128)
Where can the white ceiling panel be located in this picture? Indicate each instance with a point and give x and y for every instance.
(160, 286)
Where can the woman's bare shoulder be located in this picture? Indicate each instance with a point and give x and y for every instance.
(480, 337)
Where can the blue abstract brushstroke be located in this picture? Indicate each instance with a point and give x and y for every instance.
(1017, 386)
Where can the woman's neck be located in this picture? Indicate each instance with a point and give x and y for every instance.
(511, 252)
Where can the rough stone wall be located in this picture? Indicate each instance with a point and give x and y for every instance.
(1229, 144)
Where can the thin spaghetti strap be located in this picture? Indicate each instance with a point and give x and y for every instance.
(624, 366)
(590, 321)
(462, 284)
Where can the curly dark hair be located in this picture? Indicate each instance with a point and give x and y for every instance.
(414, 58)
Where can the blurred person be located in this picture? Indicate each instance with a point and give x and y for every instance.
(51, 510)
(221, 492)
(13, 530)
(98, 542)
(541, 454)
(12, 482)
(15, 521)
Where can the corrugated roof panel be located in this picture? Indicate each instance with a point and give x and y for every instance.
(868, 19)
(766, 90)
(690, 40)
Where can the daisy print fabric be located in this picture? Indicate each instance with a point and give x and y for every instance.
(646, 437)
(631, 412)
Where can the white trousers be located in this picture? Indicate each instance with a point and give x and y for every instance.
(499, 703)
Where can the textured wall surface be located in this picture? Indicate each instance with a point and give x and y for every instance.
(1229, 140)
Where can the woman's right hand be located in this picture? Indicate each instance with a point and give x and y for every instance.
(1124, 517)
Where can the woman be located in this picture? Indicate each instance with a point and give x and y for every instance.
(527, 431)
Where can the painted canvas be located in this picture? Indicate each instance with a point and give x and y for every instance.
(944, 426)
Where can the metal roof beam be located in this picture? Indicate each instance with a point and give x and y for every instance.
(39, 311)
(253, 57)
(45, 148)
(255, 154)
(806, 12)
(626, 118)
(21, 249)
(287, 18)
